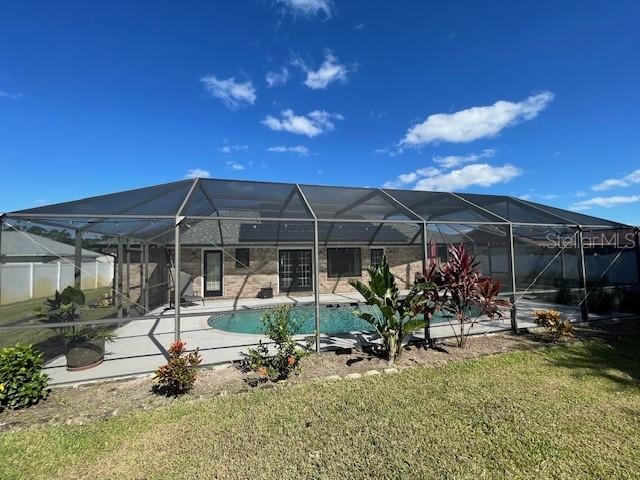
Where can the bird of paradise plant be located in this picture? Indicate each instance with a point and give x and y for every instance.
(393, 317)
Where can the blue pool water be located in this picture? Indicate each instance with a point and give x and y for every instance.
(333, 320)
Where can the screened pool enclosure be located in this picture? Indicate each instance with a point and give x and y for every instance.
(178, 254)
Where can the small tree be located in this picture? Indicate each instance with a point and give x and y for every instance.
(393, 317)
(462, 289)
(280, 328)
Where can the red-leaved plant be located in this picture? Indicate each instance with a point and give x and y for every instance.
(179, 374)
(461, 293)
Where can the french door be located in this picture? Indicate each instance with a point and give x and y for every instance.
(212, 273)
(295, 271)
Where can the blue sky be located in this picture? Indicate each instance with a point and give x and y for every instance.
(538, 99)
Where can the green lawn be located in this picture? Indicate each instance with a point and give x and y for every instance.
(563, 412)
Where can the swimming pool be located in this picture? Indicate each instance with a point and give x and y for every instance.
(334, 319)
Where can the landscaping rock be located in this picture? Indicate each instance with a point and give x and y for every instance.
(390, 370)
(370, 373)
(352, 376)
(333, 377)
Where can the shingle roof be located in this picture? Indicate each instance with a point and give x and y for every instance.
(24, 244)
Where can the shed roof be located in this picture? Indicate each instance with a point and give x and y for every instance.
(25, 244)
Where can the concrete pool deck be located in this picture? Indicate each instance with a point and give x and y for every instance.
(140, 345)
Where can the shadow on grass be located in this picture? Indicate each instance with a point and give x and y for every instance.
(604, 357)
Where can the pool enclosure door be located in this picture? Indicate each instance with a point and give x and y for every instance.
(212, 273)
(295, 271)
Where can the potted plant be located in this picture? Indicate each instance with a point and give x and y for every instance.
(83, 344)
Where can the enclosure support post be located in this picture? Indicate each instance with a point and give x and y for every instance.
(425, 248)
(147, 289)
(425, 266)
(512, 258)
(119, 278)
(119, 274)
(584, 307)
(77, 261)
(316, 281)
(144, 266)
(127, 279)
(176, 280)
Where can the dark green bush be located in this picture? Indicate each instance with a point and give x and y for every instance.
(22, 382)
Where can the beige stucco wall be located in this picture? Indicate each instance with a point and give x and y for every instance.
(239, 282)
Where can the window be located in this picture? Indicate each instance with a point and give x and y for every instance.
(376, 255)
(343, 262)
(242, 258)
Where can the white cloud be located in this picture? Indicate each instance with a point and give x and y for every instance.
(606, 202)
(479, 174)
(233, 148)
(235, 165)
(359, 26)
(329, 72)
(411, 177)
(277, 78)
(312, 124)
(299, 149)
(308, 8)
(6, 94)
(392, 152)
(233, 94)
(452, 161)
(197, 173)
(428, 171)
(631, 179)
(476, 122)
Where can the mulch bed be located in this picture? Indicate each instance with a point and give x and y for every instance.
(85, 403)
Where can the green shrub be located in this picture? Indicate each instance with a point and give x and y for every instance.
(280, 328)
(394, 317)
(22, 382)
(179, 374)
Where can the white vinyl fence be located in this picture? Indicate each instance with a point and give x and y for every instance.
(26, 281)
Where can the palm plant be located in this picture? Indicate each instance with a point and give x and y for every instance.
(393, 317)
